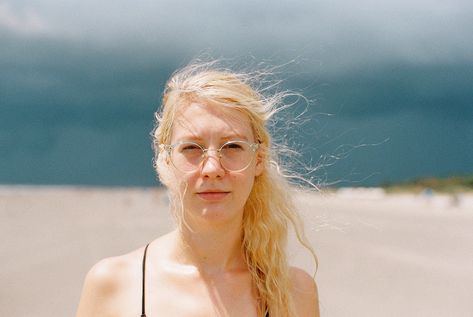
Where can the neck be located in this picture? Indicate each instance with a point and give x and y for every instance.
(212, 250)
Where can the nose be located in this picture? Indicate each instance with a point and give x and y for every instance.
(211, 166)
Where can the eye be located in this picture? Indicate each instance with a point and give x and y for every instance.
(233, 146)
(189, 149)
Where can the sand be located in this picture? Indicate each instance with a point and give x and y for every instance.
(380, 255)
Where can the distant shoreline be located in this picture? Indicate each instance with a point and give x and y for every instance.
(448, 185)
(415, 188)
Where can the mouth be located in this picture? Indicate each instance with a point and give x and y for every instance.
(212, 195)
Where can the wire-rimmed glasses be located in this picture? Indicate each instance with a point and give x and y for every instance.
(234, 156)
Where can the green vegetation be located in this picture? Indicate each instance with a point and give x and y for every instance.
(453, 184)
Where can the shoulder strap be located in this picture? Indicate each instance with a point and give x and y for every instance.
(143, 314)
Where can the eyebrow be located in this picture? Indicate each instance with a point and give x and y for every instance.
(235, 137)
(224, 138)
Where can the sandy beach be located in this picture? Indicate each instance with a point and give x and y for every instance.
(379, 254)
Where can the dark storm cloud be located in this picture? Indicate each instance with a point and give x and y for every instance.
(50, 77)
(104, 44)
(95, 70)
(429, 90)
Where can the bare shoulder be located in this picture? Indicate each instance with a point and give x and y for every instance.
(304, 292)
(106, 282)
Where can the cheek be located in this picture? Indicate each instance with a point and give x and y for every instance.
(164, 172)
(173, 180)
(181, 183)
(244, 185)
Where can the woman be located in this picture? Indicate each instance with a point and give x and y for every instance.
(232, 208)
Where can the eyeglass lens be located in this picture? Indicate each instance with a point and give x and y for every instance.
(233, 156)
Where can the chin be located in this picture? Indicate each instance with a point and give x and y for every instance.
(218, 214)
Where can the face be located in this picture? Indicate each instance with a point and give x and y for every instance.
(212, 193)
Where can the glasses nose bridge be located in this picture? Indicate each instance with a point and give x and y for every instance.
(205, 154)
(205, 158)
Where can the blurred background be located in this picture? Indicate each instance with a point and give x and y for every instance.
(390, 83)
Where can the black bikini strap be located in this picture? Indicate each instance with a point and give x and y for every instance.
(143, 314)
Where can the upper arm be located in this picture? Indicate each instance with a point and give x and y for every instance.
(304, 293)
(99, 288)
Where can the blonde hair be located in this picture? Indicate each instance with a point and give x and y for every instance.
(269, 209)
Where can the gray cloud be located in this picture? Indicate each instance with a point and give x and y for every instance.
(339, 34)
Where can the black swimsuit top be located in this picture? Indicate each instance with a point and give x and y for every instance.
(143, 313)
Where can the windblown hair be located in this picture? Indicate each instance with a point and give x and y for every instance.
(269, 210)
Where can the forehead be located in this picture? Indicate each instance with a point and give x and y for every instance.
(200, 120)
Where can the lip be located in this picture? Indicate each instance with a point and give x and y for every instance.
(212, 195)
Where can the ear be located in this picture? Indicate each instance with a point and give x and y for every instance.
(260, 166)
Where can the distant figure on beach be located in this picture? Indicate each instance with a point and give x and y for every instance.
(232, 208)
(427, 193)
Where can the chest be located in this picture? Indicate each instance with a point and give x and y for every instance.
(226, 295)
(165, 295)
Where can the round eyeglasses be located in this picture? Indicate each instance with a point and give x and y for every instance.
(234, 156)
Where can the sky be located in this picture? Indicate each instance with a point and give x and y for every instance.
(389, 83)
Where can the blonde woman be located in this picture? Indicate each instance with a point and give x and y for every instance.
(232, 207)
